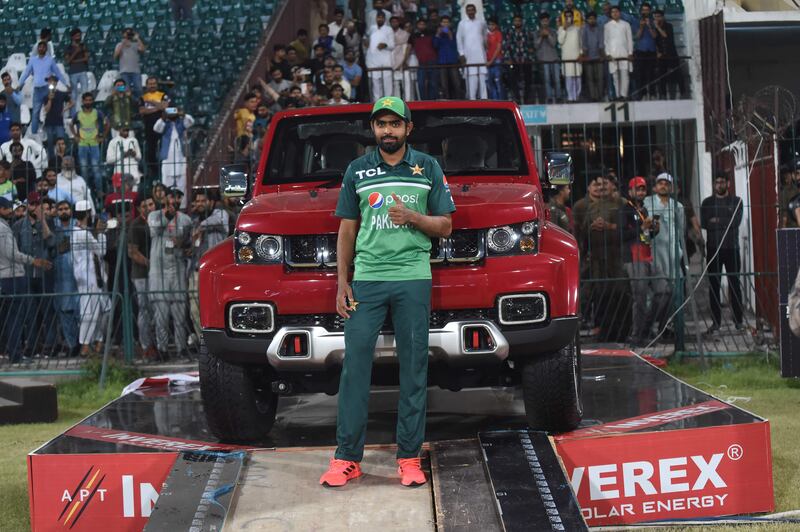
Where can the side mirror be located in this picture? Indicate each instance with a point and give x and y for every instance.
(233, 181)
(559, 169)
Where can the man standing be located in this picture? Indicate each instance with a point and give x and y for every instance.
(73, 184)
(547, 54)
(494, 61)
(32, 151)
(40, 66)
(120, 107)
(667, 245)
(139, 252)
(392, 271)
(23, 174)
(128, 52)
(172, 126)
(152, 103)
(77, 57)
(669, 67)
(67, 304)
(35, 238)
(379, 57)
(637, 229)
(445, 44)
(717, 213)
(644, 67)
(13, 97)
(559, 212)
(210, 228)
(124, 153)
(593, 53)
(519, 52)
(13, 282)
(88, 247)
(56, 103)
(90, 127)
(170, 232)
(471, 40)
(618, 42)
(5, 120)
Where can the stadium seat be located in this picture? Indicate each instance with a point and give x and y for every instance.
(106, 84)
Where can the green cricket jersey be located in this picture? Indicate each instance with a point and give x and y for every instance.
(384, 251)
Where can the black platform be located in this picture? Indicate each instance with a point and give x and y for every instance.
(614, 388)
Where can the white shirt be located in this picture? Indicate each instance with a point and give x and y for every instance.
(380, 58)
(75, 187)
(31, 151)
(471, 40)
(123, 164)
(84, 246)
(618, 39)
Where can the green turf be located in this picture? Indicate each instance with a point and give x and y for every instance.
(769, 395)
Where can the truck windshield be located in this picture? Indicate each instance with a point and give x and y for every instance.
(465, 142)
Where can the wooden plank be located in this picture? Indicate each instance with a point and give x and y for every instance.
(281, 491)
(462, 495)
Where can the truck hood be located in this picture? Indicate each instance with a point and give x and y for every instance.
(310, 211)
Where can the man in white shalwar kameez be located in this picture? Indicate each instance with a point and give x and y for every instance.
(471, 41)
(379, 55)
(88, 249)
(619, 49)
(172, 128)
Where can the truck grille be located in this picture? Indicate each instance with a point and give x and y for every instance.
(335, 323)
(319, 251)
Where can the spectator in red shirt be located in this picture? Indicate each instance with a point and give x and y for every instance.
(494, 61)
(113, 202)
(427, 77)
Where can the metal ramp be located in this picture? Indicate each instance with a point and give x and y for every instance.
(502, 481)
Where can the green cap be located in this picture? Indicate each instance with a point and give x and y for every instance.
(392, 104)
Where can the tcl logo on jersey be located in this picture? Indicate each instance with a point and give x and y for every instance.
(372, 172)
(376, 200)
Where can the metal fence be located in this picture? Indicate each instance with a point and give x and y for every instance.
(93, 298)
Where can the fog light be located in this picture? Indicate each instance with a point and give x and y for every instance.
(527, 244)
(255, 318)
(246, 254)
(522, 308)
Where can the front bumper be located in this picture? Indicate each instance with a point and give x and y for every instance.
(326, 348)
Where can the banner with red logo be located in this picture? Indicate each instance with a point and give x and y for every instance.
(95, 491)
(677, 474)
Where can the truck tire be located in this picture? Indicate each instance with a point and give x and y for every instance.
(551, 390)
(238, 400)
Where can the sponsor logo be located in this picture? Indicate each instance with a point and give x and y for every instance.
(372, 172)
(76, 501)
(407, 199)
(376, 200)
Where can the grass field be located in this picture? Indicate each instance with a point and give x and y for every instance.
(754, 385)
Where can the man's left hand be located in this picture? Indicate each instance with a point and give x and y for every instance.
(399, 214)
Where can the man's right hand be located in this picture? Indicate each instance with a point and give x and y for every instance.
(344, 295)
(44, 264)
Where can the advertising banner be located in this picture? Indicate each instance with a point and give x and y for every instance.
(680, 474)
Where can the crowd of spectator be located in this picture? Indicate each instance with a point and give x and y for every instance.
(89, 191)
(636, 239)
(417, 52)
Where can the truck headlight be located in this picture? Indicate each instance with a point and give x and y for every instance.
(514, 239)
(253, 248)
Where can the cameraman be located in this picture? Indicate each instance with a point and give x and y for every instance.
(128, 52)
(172, 127)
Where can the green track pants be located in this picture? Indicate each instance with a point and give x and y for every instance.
(410, 302)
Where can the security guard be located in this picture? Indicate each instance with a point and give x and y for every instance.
(392, 201)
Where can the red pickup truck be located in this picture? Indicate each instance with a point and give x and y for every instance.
(505, 283)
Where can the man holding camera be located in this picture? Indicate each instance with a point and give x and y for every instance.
(172, 127)
(128, 52)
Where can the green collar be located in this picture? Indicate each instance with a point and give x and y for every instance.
(409, 157)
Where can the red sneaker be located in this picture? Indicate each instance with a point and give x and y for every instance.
(410, 472)
(339, 472)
